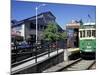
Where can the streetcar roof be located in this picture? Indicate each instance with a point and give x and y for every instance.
(88, 27)
(90, 23)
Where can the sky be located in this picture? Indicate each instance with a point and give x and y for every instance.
(64, 13)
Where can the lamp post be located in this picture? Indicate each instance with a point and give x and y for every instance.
(37, 7)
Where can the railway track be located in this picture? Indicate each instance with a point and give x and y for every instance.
(93, 66)
(79, 65)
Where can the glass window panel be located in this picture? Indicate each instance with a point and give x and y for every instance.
(83, 33)
(88, 33)
(93, 33)
(80, 34)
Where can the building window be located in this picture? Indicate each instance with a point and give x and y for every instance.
(41, 27)
(32, 26)
(93, 33)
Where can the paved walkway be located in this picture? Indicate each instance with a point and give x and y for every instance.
(32, 62)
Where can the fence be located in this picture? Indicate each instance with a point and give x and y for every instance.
(34, 51)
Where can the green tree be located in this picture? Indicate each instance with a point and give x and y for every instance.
(63, 35)
(51, 33)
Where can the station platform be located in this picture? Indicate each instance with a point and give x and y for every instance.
(73, 50)
(73, 53)
(32, 62)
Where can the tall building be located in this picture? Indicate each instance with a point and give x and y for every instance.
(27, 27)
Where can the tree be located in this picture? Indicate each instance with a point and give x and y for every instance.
(63, 35)
(51, 33)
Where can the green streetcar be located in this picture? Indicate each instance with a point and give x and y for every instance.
(87, 40)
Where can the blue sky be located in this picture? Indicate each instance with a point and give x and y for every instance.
(64, 12)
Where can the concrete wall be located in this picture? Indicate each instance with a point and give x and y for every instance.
(43, 65)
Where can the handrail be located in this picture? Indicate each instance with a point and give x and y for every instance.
(35, 51)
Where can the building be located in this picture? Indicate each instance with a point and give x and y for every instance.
(27, 27)
(72, 30)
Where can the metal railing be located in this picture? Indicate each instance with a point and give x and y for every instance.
(34, 51)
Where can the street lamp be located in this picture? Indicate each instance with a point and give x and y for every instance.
(37, 7)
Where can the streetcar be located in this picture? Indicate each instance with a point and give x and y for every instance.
(87, 40)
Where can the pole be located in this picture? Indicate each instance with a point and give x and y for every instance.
(37, 21)
(36, 26)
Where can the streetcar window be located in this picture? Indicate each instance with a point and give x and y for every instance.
(88, 33)
(83, 33)
(93, 33)
(80, 33)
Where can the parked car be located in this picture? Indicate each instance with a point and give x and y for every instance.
(23, 45)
